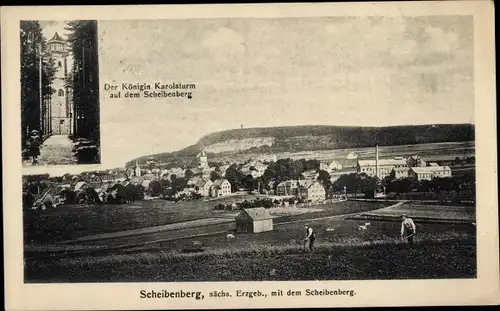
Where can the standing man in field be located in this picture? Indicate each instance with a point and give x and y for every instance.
(310, 237)
(408, 229)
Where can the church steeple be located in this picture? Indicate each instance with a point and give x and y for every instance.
(203, 159)
(137, 169)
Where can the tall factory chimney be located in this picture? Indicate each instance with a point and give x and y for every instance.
(376, 162)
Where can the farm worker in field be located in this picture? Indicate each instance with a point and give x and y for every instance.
(408, 229)
(310, 236)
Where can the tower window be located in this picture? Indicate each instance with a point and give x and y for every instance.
(60, 92)
(59, 64)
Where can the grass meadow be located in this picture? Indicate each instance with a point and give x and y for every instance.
(343, 250)
(436, 255)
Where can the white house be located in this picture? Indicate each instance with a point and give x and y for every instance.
(400, 172)
(385, 166)
(351, 156)
(204, 186)
(329, 167)
(429, 172)
(220, 188)
(313, 191)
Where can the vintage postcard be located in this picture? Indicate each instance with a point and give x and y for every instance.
(249, 156)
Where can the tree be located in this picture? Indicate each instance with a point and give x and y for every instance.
(284, 169)
(312, 164)
(33, 49)
(188, 174)
(387, 180)
(347, 181)
(214, 176)
(155, 188)
(249, 182)
(235, 177)
(178, 184)
(370, 186)
(324, 177)
(84, 43)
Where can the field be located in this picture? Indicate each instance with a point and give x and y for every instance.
(425, 212)
(343, 251)
(115, 224)
(429, 152)
(443, 254)
(71, 221)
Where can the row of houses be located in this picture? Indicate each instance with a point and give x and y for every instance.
(204, 170)
(413, 167)
(207, 188)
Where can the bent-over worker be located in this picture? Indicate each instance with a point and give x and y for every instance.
(408, 229)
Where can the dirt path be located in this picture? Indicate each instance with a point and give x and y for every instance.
(150, 230)
(56, 150)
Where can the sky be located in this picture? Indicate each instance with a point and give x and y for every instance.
(359, 71)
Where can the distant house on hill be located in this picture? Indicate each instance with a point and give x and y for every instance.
(254, 220)
(329, 167)
(415, 161)
(351, 156)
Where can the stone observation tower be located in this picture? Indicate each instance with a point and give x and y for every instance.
(60, 110)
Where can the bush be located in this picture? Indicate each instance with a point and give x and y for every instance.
(87, 155)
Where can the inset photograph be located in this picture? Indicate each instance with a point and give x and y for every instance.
(59, 93)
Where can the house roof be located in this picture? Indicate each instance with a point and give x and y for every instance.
(202, 182)
(352, 155)
(218, 182)
(310, 183)
(296, 183)
(430, 169)
(56, 37)
(382, 162)
(258, 213)
(79, 185)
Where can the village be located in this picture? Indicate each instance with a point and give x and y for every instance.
(282, 181)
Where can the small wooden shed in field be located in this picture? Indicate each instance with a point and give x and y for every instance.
(254, 220)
